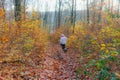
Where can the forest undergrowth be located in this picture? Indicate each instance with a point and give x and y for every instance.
(28, 52)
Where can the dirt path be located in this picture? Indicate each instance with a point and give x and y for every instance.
(58, 65)
(55, 65)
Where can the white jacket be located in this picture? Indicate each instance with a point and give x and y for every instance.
(63, 40)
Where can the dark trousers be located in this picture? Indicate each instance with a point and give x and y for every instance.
(63, 46)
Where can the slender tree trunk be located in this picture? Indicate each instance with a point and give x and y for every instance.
(24, 9)
(17, 10)
(84, 13)
(87, 4)
(100, 14)
(74, 16)
(59, 14)
(2, 2)
(55, 17)
(72, 12)
(45, 17)
(118, 12)
(111, 6)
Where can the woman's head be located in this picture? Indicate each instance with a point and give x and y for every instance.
(62, 35)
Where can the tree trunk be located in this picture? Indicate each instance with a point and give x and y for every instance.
(59, 14)
(56, 17)
(45, 17)
(74, 16)
(87, 11)
(118, 9)
(100, 14)
(111, 6)
(72, 12)
(17, 10)
(2, 2)
(24, 9)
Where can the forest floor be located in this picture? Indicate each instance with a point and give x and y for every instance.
(54, 64)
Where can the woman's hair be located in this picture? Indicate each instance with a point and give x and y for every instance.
(62, 35)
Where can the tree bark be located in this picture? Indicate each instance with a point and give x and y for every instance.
(17, 10)
(74, 16)
(87, 4)
(2, 2)
(100, 10)
(118, 11)
(59, 14)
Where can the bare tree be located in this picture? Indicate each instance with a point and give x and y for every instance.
(73, 14)
(59, 13)
(100, 10)
(2, 2)
(55, 16)
(111, 6)
(17, 10)
(118, 10)
(24, 8)
(87, 4)
(45, 16)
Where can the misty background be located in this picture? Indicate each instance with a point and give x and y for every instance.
(55, 13)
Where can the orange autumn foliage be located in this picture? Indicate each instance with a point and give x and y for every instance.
(19, 42)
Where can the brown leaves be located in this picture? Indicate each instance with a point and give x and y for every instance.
(117, 74)
(1, 78)
(48, 69)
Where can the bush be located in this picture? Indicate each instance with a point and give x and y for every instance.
(21, 39)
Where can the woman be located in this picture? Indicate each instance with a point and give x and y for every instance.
(63, 40)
